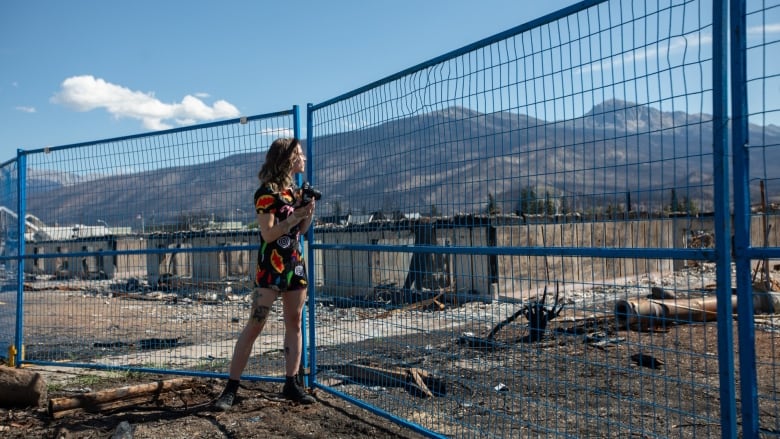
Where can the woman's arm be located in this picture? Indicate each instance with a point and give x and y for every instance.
(271, 230)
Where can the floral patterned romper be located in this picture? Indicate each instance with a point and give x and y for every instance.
(280, 264)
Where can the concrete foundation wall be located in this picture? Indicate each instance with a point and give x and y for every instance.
(522, 276)
(352, 273)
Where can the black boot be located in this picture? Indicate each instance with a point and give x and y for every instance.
(294, 392)
(228, 396)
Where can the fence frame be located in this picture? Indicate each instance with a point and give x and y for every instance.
(743, 253)
(729, 77)
(21, 257)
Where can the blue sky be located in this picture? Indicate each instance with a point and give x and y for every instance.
(79, 70)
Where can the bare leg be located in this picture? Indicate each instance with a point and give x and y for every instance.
(292, 302)
(261, 307)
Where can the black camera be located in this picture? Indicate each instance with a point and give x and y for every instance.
(308, 193)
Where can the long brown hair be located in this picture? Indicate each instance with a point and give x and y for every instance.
(276, 171)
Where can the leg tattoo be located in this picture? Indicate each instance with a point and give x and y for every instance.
(260, 314)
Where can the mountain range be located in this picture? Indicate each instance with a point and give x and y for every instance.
(456, 159)
(448, 161)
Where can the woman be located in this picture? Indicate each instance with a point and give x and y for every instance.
(280, 267)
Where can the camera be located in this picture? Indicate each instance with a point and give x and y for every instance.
(308, 193)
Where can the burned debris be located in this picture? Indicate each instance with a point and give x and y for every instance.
(417, 381)
(538, 314)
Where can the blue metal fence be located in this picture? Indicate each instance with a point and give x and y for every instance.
(8, 257)
(584, 154)
(138, 250)
(754, 42)
(531, 235)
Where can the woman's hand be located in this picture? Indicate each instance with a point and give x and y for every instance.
(306, 215)
(298, 216)
(303, 212)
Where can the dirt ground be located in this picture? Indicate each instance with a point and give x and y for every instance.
(574, 353)
(65, 322)
(259, 413)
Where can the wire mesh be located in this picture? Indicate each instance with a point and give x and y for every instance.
(141, 249)
(9, 245)
(762, 80)
(518, 238)
(515, 239)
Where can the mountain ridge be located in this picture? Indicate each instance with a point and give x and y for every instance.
(450, 161)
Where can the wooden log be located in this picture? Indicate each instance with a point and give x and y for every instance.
(368, 375)
(100, 407)
(396, 377)
(113, 405)
(21, 388)
(96, 399)
(416, 376)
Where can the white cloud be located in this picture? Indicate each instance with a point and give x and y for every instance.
(674, 47)
(278, 132)
(770, 28)
(86, 93)
(26, 109)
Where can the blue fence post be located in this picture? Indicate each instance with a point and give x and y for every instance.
(310, 256)
(741, 165)
(296, 113)
(21, 163)
(728, 410)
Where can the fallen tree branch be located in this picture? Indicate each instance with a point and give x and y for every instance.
(112, 405)
(107, 399)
